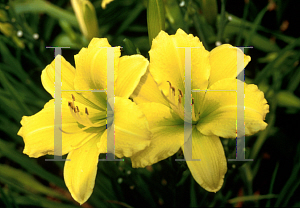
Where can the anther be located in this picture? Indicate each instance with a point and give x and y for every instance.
(86, 111)
(77, 109)
(73, 98)
(192, 101)
(181, 94)
(173, 89)
(169, 83)
(70, 104)
(179, 99)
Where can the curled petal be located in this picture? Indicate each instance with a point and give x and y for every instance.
(131, 129)
(209, 172)
(219, 113)
(80, 172)
(223, 61)
(130, 71)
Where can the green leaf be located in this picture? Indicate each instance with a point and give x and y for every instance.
(29, 164)
(251, 198)
(130, 48)
(22, 179)
(288, 99)
(155, 18)
(174, 15)
(210, 10)
(41, 6)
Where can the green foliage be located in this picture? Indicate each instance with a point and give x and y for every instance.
(28, 26)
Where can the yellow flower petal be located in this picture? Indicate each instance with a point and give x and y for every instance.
(38, 131)
(159, 115)
(80, 172)
(130, 71)
(91, 70)
(165, 142)
(219, 113)
(104, 3)
(167, 62)
(148, 91)
(131, 129)
(223, 61)
(167, 134)
(209, 172)
(67, 81)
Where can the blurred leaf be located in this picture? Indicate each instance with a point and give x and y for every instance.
(253, 29)
(64, 40)
(132, 16)
(184, 177)
(288, 99)
(290, 187)
(257, 41)
(210, 10)
(22, 179)
(251, 198)
(272, 183)
(295, 80)
(155, 18)
(35, 200)
(264, 74)
(14, 93)
(29, 164)
(174, 15)
(41, 6)
(130, 48)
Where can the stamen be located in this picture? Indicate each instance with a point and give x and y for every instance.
(193, 111)
(76, 115)
(179, 99)
(70, 104)
(169, 83)
(181, 94)
(171, 88)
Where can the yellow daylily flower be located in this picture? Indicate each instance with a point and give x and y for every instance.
(104, 3)
(84, 133)
(160, 95)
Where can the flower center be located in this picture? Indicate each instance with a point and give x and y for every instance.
(177, 106)
(81, 118)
